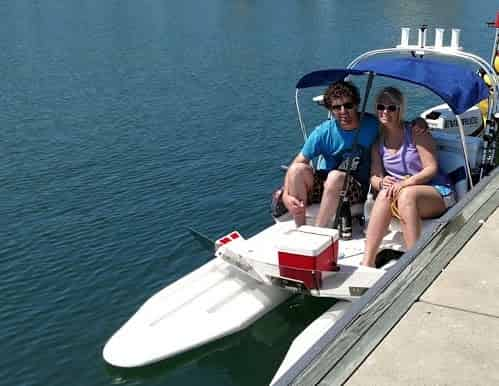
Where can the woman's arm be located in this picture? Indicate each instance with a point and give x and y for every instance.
(428, 153)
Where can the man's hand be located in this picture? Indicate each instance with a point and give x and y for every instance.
(420, 127)
(294, 205)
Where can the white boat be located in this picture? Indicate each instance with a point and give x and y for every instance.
(221, 298)
(247, 278)
(213, 301)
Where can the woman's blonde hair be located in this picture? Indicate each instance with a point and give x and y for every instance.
(394, 95)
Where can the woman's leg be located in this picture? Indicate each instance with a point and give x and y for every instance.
(415, 203)
(378, 224)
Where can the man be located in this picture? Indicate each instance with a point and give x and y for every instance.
(334, 141)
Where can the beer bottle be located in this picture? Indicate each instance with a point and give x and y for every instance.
(345, 222)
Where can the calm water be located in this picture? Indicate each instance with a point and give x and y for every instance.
(122, 123)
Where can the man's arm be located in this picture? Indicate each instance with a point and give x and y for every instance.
(377, 172)
(300, 158)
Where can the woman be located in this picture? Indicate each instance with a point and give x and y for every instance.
(404, 171)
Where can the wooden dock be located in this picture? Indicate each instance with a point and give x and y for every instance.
(433, 319)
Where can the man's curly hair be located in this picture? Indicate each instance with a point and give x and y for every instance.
(341, 89)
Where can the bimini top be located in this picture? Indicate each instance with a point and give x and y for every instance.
(457, 85)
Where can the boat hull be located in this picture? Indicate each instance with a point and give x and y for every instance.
(211, 302)
(310, 336)
(221, 298)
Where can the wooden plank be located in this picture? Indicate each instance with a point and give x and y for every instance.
(326, 357)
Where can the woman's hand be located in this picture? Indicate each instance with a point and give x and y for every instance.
(387, 182)
(394, 189)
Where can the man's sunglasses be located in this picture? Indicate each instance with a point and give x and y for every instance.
(347, 106)
(382, 107)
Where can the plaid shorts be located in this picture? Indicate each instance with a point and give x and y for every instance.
(356, 193)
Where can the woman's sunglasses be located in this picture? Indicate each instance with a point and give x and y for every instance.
(347, 106)
(391, 108)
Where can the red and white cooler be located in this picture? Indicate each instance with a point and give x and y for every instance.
(304, 253)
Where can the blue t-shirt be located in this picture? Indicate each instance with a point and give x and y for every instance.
(334, 145)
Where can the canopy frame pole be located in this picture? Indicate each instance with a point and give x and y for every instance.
(494, 47)
(489, 151)
(370, 78)
(300, 119)
(465, 150)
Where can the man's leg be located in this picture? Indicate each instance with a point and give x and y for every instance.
(332, 189)
(299, 180)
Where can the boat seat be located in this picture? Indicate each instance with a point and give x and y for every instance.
(451, 157)
(313, 210)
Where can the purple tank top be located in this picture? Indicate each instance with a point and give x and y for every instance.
(406, 161)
